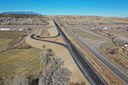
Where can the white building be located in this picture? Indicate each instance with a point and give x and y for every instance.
(126, 45)
(105, 28)
(20, 29)
(5, 29)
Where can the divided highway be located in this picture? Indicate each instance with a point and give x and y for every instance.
(83, 64)
(107, 62)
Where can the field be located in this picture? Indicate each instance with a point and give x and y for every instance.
(94, 40)
(6, 37)
(4, 44)
(21, 54)
(120, 33)
(118, 57)
(88, 31)
(90, 38)
(60, 52)
(16, 61)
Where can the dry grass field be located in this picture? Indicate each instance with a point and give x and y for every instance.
(13, 62)
(62, 53)
(76, 25)
(4, 44)
(6, 37)
(10, 34)
(90, 38)
(119, 58)
(16, 61)
(116, 27)
(45, 33)
(106, 73)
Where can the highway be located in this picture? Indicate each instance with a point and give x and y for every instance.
(102, 58)
(86, 68)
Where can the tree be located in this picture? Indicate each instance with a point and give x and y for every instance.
(43, 46)
(53, 73)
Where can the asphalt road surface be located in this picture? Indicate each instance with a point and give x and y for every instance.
(107, 62)
(88, 71)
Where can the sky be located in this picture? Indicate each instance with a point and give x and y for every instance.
(118, 8)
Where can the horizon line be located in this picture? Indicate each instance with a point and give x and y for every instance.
(68, 14)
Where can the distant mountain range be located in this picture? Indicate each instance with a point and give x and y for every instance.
(20, 12)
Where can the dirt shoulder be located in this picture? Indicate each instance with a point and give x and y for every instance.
(106, 73)
(62, 53)
(52, 29)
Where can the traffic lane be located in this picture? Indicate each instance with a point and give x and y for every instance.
(109, 64)
(86, 67)
(122, 75)
(77, 54)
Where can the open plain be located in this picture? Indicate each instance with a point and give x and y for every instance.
(78, 50)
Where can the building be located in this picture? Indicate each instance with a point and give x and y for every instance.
(20, 29)
(105, 28)
(126, 45)
(5, 29)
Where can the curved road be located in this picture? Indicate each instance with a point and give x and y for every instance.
(83, 64)
(88, 71)
(107, 62)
